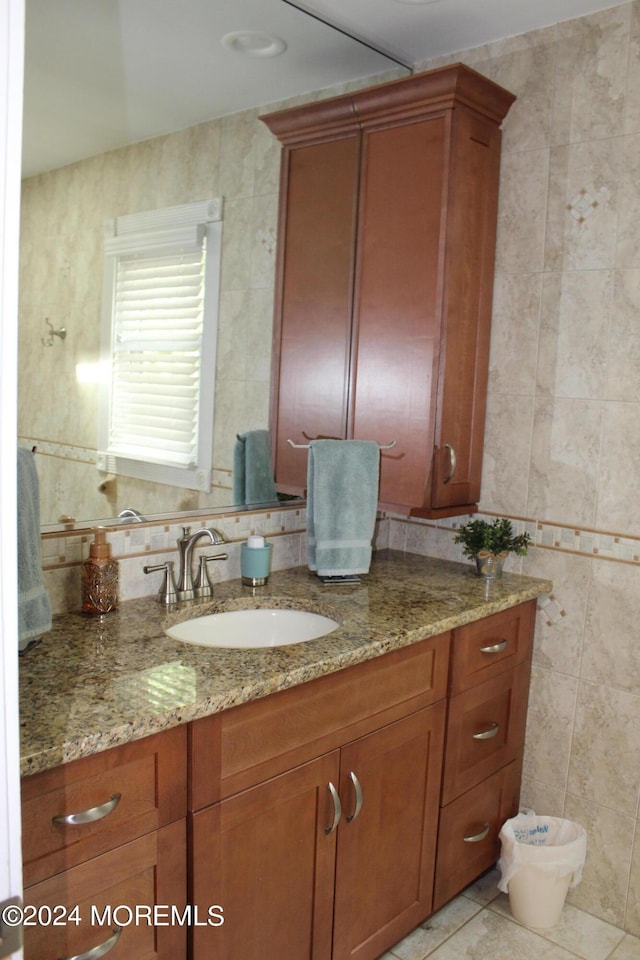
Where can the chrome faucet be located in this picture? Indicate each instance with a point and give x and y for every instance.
(130, 513)
(186, 543)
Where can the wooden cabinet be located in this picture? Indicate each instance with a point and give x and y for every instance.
(334, 857)
(106, 835)
(489, 691)
(386, 243)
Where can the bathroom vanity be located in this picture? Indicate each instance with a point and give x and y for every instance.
(320, 799)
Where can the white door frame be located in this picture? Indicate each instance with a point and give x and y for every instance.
(11, 79)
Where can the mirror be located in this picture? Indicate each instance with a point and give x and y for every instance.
(64, 209)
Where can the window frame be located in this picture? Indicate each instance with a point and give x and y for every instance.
(147, 233)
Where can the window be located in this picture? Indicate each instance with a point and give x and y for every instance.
(160, 314)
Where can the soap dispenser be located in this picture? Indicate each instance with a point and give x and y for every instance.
(99, 582)
(255, 561)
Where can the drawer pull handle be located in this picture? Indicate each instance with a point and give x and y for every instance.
(487, 734)
(99, 951)
(337, 809)
(90, 815)
(477, 837)
(453, 463)
(495, 647)
(358, 789)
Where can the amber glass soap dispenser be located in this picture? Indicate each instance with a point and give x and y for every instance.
(99, 577)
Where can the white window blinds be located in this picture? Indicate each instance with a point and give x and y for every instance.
(161, 294)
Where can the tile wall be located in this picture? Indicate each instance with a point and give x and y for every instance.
(562, 452)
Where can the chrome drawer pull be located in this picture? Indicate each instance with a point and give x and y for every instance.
(477, 837)
(96, 952)
(358, 789)
(453, 463)
(487, 734)
(337, 809)
(495, 647)
(90, 815)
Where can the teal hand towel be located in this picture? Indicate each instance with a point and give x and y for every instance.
(252, 470)
(342, 502)
(34, 608)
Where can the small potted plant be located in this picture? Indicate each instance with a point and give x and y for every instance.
(489, 543)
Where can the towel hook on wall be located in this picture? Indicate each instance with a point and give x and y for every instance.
(305, 446)
(48, 340)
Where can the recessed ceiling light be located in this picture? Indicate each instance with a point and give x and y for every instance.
(254, 44)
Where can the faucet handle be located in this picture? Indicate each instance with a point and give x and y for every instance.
(167, 592)
(203, 586)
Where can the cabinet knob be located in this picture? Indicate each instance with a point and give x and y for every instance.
(495, 647)
(358, 791)
(488, 733)
(477, 837)
(90, 815)
(337, 808)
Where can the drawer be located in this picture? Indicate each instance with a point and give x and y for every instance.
(149, 870)
(468, 835)
(485, 648)
(129, 790)
(485, 730)
(241, 747)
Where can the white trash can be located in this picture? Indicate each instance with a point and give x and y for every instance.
(541, 857)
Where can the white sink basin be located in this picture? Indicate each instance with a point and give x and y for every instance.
(249, 629)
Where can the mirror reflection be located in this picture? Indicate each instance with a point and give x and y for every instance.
(62, 263)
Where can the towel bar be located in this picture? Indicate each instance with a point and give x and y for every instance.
(305, 446)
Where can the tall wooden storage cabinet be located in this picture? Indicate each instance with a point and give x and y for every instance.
(386, 248)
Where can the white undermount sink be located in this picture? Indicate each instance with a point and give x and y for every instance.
(247, 629)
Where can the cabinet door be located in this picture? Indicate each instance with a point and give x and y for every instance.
(312, 339)
(398, 301)
(386, 840)
(266, 857)
(114, 896)
(467, 293)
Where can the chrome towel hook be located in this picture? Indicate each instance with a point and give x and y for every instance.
(48, 340)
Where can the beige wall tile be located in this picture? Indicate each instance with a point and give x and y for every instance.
(611, 651)
(605, 878)
(605, 753)
(623, 358)
(564, 460)
(619, 473)
(632, 916)
(558, 644)
(514, 333)
(552, 701)
(507, 448)
(591, 76)
(521, 214)
(584, 183)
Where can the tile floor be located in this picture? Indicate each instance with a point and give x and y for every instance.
(478, 925)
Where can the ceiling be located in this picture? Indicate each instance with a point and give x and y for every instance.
(103, 73)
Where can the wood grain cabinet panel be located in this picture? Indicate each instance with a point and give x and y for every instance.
(132, 789)
(393, 285)
(114, 895)
(468, 835)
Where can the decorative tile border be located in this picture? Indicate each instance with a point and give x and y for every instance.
(600, 544)
(68, 548)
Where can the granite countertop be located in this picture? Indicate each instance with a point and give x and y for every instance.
(91, 684)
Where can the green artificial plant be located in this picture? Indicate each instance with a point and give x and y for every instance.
(495, 537)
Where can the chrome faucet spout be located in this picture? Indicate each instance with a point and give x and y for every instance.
(186, 543)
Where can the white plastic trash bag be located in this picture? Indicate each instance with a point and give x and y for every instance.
(553, 846)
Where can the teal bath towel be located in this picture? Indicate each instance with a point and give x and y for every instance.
(342, 502)
(34, 608)
(252, 470)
